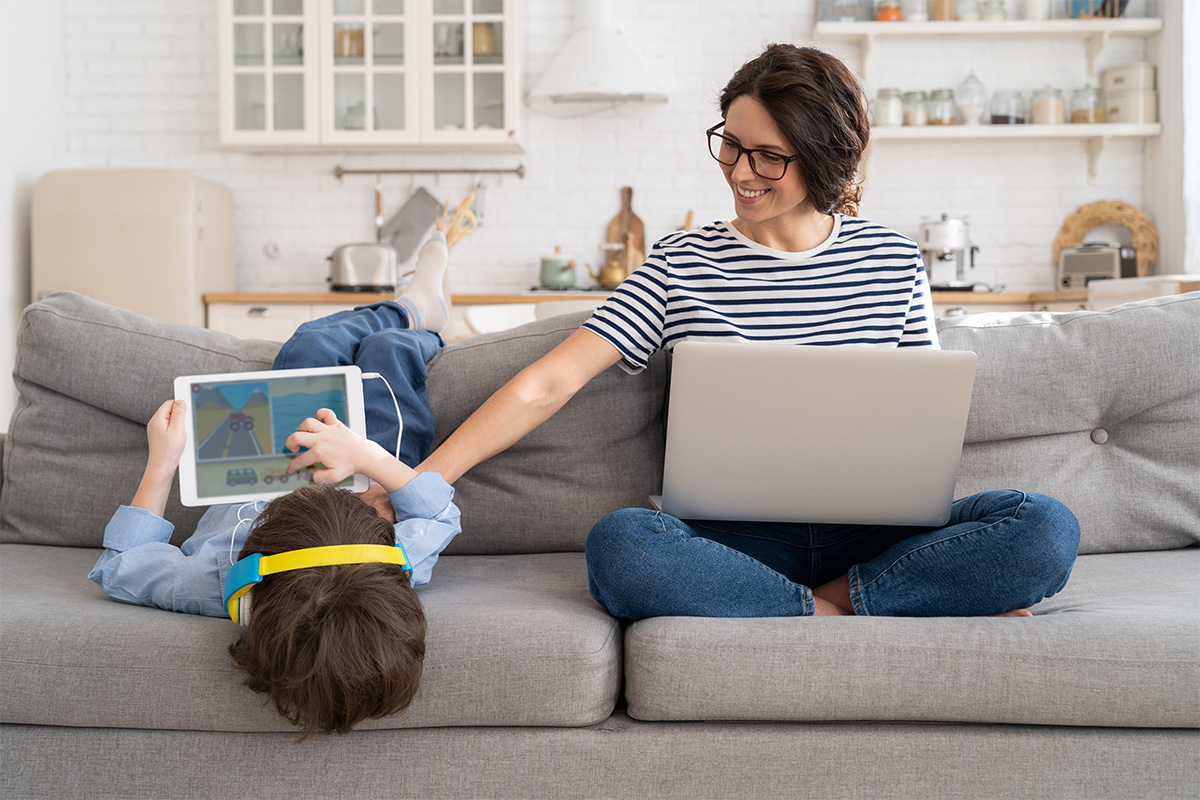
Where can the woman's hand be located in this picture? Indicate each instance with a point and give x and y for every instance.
(342, 453)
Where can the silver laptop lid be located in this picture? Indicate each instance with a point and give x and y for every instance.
(794, 433)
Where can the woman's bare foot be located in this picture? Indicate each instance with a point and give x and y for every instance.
(833, 598)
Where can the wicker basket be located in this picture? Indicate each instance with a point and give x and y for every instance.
(1087, 218)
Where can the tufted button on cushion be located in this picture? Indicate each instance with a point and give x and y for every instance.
(1099, 436)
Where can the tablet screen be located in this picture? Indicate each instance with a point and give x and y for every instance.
(241, 426)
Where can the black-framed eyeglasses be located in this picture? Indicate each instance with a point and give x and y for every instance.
(764, 163)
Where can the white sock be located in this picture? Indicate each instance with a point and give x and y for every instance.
(425, 297)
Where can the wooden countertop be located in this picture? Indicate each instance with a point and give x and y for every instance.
(347, 298)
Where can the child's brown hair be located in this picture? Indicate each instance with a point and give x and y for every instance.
(331, 646)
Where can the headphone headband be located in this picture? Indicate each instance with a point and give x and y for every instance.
(250, 570)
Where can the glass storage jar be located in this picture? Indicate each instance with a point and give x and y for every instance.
(1008, 108)
(1049, 108)
(942, 10)
(971, 99)
(888, 11)
(1087, 104)
(942, 110)
(993, 10)
(889, 108)
(915, 112)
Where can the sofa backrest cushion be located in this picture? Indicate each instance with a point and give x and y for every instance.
(601, 452)
(1100, 409)
(89, 376)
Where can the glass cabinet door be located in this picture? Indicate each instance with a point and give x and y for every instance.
(372, 68)
(471, 70)
(268, 58)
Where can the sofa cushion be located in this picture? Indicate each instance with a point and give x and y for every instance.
(602, 451)
(1098, 409)
(89, 376)
(512, 640)
(1117, 647)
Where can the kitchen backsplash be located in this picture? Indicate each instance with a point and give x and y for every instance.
(141, 83)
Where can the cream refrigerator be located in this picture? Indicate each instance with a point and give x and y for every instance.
(151, 241)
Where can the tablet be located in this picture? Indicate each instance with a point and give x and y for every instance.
(237, 424)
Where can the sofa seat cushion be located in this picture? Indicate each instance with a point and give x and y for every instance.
(512, 640)
(1119, 646)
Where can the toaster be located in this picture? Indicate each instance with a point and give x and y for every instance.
(1079, 266)
(370, 267)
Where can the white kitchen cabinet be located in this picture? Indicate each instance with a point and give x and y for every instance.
(273, 321)
(369, 74)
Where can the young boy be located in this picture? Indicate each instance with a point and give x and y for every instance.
(331, 645)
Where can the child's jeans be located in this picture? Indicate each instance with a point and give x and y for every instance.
(375, 338)
(1000, 551)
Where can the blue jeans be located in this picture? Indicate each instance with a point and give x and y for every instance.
(375, 338)
(1000, 551)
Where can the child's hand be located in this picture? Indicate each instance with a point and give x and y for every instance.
(166, 433)
(342, 451)
(167, 436)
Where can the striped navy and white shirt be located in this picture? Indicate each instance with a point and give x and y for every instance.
(864, 285)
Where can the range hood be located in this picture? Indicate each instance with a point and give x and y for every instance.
(596, 69)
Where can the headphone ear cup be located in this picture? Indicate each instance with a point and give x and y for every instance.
(244, 609)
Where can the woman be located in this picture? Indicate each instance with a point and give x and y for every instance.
(791, 266)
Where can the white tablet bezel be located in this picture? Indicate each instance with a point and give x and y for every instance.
(356, 421)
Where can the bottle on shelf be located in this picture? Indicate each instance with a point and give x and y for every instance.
(888, 11)
(915, 111)
(1049, 108)
(889, 108)
(1087, 104)
(942, 110)
(971, 99)
(1008, 108)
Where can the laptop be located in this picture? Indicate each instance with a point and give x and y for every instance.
(237, 425)
(802, 433)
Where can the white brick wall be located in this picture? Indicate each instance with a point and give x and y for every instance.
(141, 84)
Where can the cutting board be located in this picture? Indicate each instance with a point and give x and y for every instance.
(628, 230)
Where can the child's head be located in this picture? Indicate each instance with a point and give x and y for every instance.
(821, 109)
(333, 645)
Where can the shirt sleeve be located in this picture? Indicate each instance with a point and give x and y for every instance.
(920, 329)
(140, 566)
(633, 317)
(426, 522)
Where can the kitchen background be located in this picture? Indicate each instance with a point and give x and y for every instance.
(134, 84)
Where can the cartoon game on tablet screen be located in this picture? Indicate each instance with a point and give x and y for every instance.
(241, 428)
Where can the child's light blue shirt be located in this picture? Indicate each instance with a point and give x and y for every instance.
(141, 566)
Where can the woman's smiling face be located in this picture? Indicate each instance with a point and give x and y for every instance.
(756, 199)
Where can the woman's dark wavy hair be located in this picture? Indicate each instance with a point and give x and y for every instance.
(821, 109)
(330, 646)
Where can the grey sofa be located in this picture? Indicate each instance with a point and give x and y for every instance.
(531, 690)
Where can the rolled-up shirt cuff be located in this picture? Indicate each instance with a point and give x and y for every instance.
(131, 526)
(424, 497)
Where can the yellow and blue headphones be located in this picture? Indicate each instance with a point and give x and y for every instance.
(250, 570)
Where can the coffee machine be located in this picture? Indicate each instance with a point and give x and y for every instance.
(946, 248)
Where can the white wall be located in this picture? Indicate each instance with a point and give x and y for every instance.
(32, 93)
(141, 91)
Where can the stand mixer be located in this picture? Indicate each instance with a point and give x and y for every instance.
(945, 246)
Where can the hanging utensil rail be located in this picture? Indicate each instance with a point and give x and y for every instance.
(339, 171)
